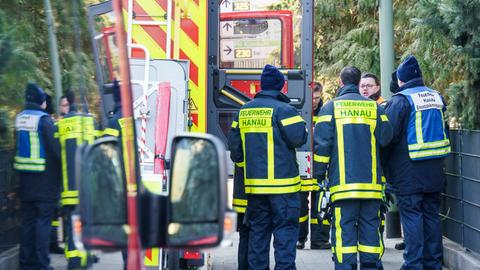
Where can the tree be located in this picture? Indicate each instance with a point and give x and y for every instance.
(456, 24)
(24, 31)
(443, 34)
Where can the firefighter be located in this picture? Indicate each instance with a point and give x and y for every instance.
(74, 129)
(37, 160)
(370, 88)
(317, 99)
(114, 122)
(114, 128)
(264, 135)
(54, 246)
(64, 107)
(319, 229)
(355, 126)
(415, 164)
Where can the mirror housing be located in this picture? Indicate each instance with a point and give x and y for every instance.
(192, 215)
(197, 198)
(101, 183)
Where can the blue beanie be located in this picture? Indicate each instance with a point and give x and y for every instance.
(409, 69)
(272, 79)
(35, 94)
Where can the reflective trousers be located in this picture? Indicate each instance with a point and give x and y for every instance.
(76, 259)
(243, 231)
(419, 215)
(278, 215)
(35, 235)
(319, 233)
(356, 229)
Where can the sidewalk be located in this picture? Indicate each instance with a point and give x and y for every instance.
(226, 258)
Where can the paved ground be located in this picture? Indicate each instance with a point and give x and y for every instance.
(224, 258)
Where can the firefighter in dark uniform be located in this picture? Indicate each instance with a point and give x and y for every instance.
(264, 135)
(115, 120)
(54, 246)
(370, 87)
(320, 230)
(37, 160)
(415, 162)
(74, 129)
(114, 128)
(348, 135)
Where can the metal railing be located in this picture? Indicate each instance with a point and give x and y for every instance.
(460, 209)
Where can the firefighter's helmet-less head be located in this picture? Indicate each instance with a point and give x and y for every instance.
(272, 78)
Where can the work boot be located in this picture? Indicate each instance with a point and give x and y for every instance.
(56, 250)
(300, 244)
(320, 245)
(94, 258)
(400, 246)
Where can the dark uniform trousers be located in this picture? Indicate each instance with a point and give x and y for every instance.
(243, 231)
(35, 237)
(70, 140)
(266, 212)
(421, 225)
(319, 230)
(355, 228)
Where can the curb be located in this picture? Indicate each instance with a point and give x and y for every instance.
(456, 257)
(9, 259)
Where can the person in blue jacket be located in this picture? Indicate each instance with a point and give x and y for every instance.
(414, 164)
(37, 162)
(264, 136)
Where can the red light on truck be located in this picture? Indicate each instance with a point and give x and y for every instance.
(192, 255)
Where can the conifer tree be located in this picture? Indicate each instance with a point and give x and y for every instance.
(458, 25)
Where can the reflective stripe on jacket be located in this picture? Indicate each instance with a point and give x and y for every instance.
(426, 135)
(347, 139)
(266, 132)
(30, 156)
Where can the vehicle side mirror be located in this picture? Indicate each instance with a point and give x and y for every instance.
(101, 182)
(197, 196)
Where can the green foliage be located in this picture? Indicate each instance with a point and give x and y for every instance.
(443, 34)
(24, 49)
(18, 62)
(455, 57)
(346, 33)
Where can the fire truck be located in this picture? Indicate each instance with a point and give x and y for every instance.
(183, 66)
